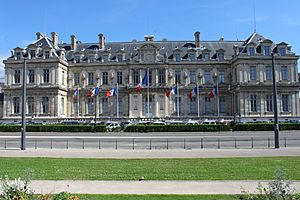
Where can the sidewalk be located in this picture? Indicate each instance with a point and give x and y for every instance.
(127, 154)
(148, 187)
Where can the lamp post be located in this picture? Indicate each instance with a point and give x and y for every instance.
(23, 129)
(276, 125)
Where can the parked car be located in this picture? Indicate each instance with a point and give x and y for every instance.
(207, 121)
(112, 125)
(192, 122)
(71, 123)
(157, 122)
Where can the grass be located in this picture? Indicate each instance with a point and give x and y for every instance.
(151, 169)
(159, 197)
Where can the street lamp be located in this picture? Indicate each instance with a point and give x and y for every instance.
(23, 128)
(276, 125)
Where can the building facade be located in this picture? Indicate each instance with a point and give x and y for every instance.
(240, 72)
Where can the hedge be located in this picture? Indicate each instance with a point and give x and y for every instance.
(177, 128)
(54, 128)
(266, 126)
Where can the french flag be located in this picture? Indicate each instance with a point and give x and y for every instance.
(112, 92)
(142, 84)
(76, 92)
(193, 92)
(213, 92)
(94, 92)
(172, 91)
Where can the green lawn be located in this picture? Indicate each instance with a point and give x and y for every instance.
(158, 197)
(152, 169)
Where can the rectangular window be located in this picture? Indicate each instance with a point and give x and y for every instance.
(177, 57)
(207, 76)
(282, 51)
(105, 106)
(161, 102)
(222, 104)
(284, 73)
(91, 78)
(121, 106)
(206, 57)
(47, 54)
(269, 103)
(119, 77)
(193, 105)
(105, 58)
(76, 78)
(221, 56)
(251, 51)
(150, 77)
(62, 106)
(253, 103)
(16, 105)
(135, 101)
(267, 50)
(178, 76)
(221, 76)
(46, 76)
(18, 55)
(32, 54)
(77, 59)
(17, 76)
(285, 103)
(136, 78)
(30, 105)
(161, 77)
(193, 76)
(63, 78)
(120, 58)
(253, 73)
(268, 73)
(177, 103)
(45, 105)
(31, 76)
(191, 56)
(75, 107)
(92, 59)
(207, 105)
(91, 109)
(104, 78)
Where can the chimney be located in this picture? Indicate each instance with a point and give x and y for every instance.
(101, 41)
(149, 38)
(73, 42)
(38, 35)
(54, 39)
(197, 39)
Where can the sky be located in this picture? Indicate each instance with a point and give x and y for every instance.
(125, 20)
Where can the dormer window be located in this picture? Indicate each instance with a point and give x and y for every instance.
(282, 51)
(32, 54)
(251, 51)
(18, 55)
(267, 50)
(177, 57)
(191, 56)
(120, 58)
(105, 58)
(206, 56)
(91, 59)
(47, 54)
(221, 56)
(77, 59)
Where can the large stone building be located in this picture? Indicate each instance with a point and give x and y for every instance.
(241, 69)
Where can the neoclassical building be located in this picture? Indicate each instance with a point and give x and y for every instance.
(241, 70)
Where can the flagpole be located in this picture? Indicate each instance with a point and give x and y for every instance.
(117, 101)
(78, 100)
(198, 99)
(177, 100)
(95, 109)
(218, 104)
(148, 95)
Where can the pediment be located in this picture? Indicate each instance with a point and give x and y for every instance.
(148, 46)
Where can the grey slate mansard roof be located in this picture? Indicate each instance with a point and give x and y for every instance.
(166, 48)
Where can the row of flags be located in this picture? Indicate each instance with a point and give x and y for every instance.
(173, 91)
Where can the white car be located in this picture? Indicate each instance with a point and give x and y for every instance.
(112, 125)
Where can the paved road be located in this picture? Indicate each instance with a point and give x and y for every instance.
(150, 141)
(148, 187)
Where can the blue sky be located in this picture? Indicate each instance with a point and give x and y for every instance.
(124, 20)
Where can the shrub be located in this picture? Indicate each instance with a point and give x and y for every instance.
(177, 128)
(265, 126)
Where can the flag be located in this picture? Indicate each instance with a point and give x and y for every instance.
(213, 92)
(76, 92)
(172, 91)
(142, 84)
(94, 92)
(193, 92)
(112, 92)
